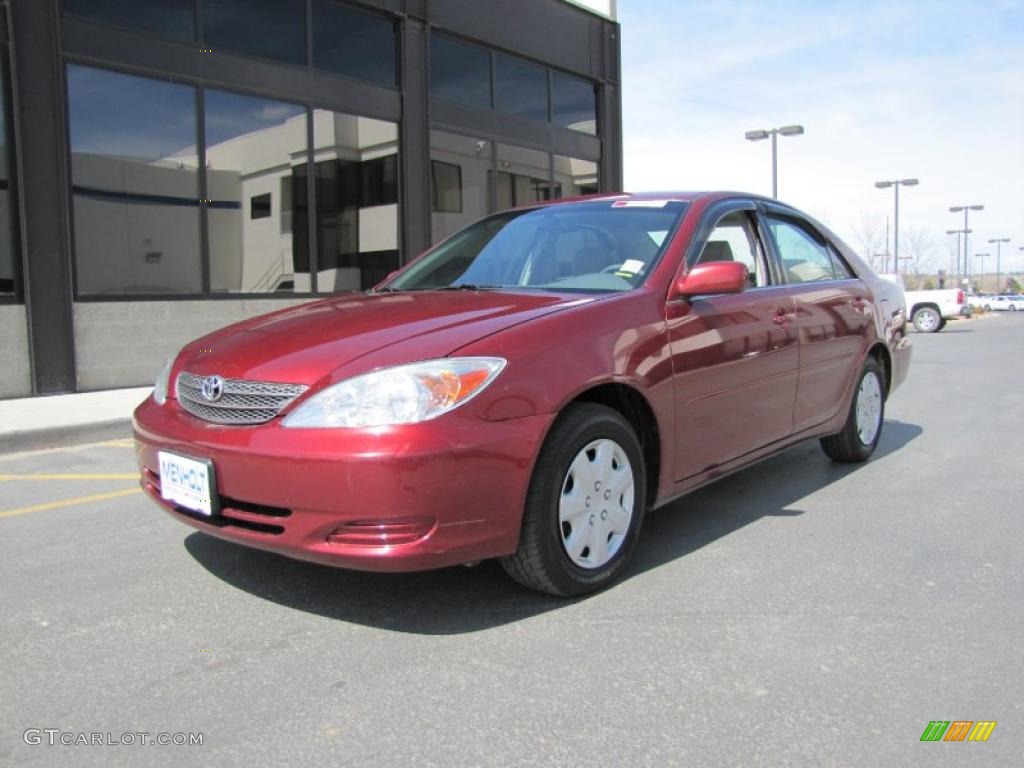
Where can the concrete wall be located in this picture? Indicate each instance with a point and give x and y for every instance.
(124, 344)
(15, 373)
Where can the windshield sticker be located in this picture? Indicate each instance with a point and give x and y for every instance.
(631, 266)
(640, 203)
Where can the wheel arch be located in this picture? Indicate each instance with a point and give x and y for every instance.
(631, 404)
(881, 353)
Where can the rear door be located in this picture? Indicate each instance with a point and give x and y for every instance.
(734, 356)
(833, 315)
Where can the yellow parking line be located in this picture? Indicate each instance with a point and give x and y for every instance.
(130, 476)
(69, 502)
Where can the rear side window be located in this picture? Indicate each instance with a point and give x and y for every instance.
(805, 256)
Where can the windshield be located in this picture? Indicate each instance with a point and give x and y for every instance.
(588, 247)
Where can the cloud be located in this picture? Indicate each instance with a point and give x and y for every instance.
(885, 90)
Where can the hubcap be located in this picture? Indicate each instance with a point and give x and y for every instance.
(596, 504)
(927, 320)
(869, 408)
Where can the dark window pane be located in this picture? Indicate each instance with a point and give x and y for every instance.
(356, 200)
(522, 177)
(8, 247)
(251, 146)
(520, 88)
(460, 72)
(173, 19)
(273, 29)
(471, 160)
(353, 43)
(133, 167)
(259, 206)
(573, 103)
(446, 185)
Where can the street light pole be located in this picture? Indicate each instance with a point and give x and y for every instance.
(966, 209)
(896, 184)
(785, 130)
(982, 279)
(999, 243)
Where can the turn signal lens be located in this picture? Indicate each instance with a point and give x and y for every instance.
(406, 394)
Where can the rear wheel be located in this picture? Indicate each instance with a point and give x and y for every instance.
(585, 504)
(863, 429)
(927, 319)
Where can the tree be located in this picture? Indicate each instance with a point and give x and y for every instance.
(870, 238)
(918, 246)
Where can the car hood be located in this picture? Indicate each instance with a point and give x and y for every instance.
(303, 344)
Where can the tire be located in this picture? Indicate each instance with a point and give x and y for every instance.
(1013, 307)
(863, 428)
(564, 552)
(942, 324)
(988, 308)
(927, 319)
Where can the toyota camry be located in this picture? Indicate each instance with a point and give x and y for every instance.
(529, 388)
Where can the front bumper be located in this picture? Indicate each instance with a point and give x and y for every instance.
(409, 498)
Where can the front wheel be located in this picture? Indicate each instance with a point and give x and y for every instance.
(585, 504)
(863, 428)
(927, 320)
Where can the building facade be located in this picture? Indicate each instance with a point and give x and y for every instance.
(169, 167)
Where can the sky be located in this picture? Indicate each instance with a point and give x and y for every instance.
(884, 90)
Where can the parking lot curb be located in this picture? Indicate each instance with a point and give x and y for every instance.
(50, 437)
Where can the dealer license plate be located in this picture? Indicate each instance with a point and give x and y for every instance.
(187, 482)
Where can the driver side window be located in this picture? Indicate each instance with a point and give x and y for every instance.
(734, 239)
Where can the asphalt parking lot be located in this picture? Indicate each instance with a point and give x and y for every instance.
(798, 613)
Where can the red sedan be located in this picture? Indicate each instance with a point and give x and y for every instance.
(529, 388)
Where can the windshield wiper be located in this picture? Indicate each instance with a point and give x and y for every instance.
(469, 287)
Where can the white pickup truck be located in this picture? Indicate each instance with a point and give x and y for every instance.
(929, 310)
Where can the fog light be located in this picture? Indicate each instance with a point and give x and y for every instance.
(382, 533)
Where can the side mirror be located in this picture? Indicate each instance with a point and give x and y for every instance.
(712, 277)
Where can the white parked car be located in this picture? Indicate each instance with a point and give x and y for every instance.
(928, 311)
(980, 302)
(1007, 303)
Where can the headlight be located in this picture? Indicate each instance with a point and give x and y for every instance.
(405, 394)
(163, 382)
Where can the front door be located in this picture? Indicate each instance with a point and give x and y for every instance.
(734, 356)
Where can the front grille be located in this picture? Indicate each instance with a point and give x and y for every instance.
(242, 402)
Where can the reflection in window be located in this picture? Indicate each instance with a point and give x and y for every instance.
(356, 161)
(273, 29)
(522, 177)
(460, 72)
(353, 43)
(133, 167)
(173, 19)
(573, 103)
(805, 256)
(8, 248)
(520, 88)
(472, 159)
(574, 176)
(251, 145)
(446, 187)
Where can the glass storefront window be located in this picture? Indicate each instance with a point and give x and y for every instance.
(356, 162)
(574, 176)
(522, 177)
(354, 43)
(573, 103)
(133, 168)
(272, 29)
(173, 19)
(8, 247)
(520, 88)
(465, 161)
(460, 72)
(252, 148)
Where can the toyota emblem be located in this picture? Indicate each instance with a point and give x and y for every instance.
(213, 388)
